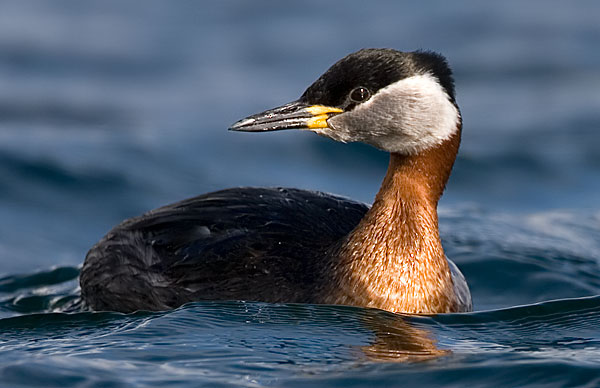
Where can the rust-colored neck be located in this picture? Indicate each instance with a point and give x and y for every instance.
(426, 172)
(394, 258)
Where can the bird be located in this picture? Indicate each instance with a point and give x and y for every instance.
(288, 245)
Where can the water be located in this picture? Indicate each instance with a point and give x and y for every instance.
(112, 108)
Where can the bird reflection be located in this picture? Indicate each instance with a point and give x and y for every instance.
(398, 340)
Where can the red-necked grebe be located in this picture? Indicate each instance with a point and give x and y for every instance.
(291, 245)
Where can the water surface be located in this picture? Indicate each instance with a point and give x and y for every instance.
(110, 109)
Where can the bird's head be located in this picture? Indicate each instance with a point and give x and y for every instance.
(401, 102)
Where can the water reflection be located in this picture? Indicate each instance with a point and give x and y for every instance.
(397, 339)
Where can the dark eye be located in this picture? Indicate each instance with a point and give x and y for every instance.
(360, 94)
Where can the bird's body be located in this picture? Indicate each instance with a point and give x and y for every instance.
(243, 243)
(290, 245)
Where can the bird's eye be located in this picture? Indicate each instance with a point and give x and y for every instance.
(360, 94)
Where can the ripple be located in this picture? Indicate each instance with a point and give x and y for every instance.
(54, 290)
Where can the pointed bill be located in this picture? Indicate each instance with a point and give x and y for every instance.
(295, 115)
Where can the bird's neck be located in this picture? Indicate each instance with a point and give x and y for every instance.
(394, 258)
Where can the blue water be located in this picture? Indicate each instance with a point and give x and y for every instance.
(112, 108)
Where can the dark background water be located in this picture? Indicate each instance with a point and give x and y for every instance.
(109, 109)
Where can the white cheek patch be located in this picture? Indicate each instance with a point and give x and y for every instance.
(407, 116)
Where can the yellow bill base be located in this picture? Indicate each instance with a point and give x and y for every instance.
(321, 113)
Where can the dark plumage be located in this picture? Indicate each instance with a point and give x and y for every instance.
(242, 243)
(375, 69)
